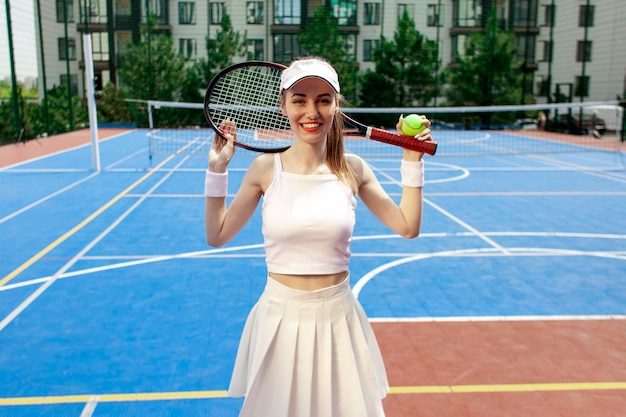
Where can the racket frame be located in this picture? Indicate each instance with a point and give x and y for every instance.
(207, 102)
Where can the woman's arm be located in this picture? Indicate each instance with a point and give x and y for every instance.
(404, 218)
(222, 223)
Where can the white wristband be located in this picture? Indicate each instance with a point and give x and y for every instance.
(216, 184)
(412, 173)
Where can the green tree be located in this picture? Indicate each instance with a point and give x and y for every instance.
(112, 106)
(58, 111)
(489, 72)
(11, 114)
(221, 51)
(405, 73)
(7, 127)
(32, 116)
(152, 69)
(321, 37)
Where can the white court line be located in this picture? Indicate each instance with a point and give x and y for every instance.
(462, 319)
(134, 260)
(46, 198)
(465, 173)
(141, 261)
(31, 298)
(364, 280)
(90, 407)
(474, 231)
(360, 284)
(66, 188)
(120, 161)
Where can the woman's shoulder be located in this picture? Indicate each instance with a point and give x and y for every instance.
(263, 161)
(355, 161)
(261, 170)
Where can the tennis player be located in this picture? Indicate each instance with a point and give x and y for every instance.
(307, 348)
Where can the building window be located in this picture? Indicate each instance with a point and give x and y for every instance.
(100, 46)
(286, 47)
(458, 46)
(344, 11)
(94, 7)
(216, 12)
(546, 51)
(287, 12)
(524, 13)
(154, 7)
(371, 14)
(585, 16)
(548, 15)
(369, 49)
(439, 47)
(351, 47)
(433, 15)
(542, 86)
(67, 49)
(69, 10)
(581, 86)
(583, 51)
(188, 48)
(409, 9)
(93, 11)
(186, 12)
(158, 9)
(123, 8)
(254, 12)
(73, 83)
(525, 48)
(468, 13)
(255, 49)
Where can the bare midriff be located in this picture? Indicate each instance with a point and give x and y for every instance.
(309, 282)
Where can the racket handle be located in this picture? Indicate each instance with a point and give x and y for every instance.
(407, 142)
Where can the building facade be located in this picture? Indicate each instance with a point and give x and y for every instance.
(572, 50)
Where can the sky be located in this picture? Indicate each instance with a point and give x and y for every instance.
(24, 44)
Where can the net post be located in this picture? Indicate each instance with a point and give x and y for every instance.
(150, 120)
(150, 132)
(91, 102)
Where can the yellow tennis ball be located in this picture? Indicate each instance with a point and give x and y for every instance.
(412, 125)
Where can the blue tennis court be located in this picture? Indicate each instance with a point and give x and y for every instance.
(112, 304)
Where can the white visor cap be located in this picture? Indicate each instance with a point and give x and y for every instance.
(309, 68)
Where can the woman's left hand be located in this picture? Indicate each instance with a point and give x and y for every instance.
(424, 135)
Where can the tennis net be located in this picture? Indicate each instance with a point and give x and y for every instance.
(176, 127)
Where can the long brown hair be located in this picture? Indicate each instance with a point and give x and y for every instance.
(335, 152)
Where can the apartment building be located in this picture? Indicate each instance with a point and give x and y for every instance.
(575, 47)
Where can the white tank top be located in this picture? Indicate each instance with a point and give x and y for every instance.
(308, 222)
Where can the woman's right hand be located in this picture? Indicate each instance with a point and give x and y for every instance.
(222, 151)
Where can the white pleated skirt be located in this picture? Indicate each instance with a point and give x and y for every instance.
(309, 354)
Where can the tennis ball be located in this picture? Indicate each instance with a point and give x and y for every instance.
(412, 125)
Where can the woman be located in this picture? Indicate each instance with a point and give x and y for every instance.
(307, 349)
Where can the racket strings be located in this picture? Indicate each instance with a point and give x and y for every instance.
(249, 96)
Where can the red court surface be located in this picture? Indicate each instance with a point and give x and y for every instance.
(23, 151)
(564, 368)
(608, 141)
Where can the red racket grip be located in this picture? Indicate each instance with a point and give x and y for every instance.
(407, 142)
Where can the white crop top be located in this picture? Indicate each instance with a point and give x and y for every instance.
(308, 222)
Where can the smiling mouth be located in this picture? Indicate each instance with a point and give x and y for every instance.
(310, 125)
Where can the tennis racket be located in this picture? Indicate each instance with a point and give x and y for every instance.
(249, 95)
